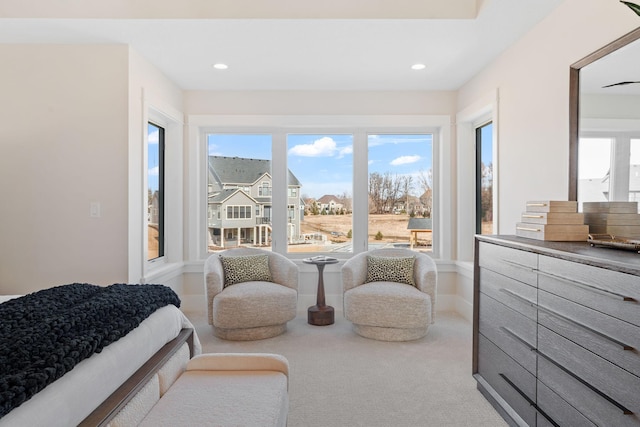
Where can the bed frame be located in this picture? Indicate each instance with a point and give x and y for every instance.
(104, 413)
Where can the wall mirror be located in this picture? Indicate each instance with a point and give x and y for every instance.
(604, 144)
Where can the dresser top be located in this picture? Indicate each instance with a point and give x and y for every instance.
(580, 252)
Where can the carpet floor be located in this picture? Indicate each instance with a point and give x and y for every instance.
(339, 379)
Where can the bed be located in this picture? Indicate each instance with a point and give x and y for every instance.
(95, 388)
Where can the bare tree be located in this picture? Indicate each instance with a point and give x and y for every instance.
(425, 181)
(346, 201)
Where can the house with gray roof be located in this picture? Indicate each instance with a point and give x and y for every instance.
(239, 206)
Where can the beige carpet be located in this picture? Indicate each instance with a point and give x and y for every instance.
(339, 379)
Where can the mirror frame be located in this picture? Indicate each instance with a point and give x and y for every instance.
(574, 103)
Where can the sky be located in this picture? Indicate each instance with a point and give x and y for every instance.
(152, 160)
(323, 163)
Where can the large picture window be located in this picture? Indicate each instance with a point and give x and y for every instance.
(293, 191)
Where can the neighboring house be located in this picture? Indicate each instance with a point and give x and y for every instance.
(329, 203)
(239, 204)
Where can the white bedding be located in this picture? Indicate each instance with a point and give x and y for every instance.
(70, 399)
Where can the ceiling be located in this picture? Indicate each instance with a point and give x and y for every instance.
(304, 54)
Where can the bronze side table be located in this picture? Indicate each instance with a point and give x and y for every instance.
(320, 314)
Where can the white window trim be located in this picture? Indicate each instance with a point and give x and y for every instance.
(171, 121)
(198, 126)
(472, 117)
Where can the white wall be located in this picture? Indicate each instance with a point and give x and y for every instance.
(532, 78)
(64, 145)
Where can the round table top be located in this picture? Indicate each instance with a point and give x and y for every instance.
(321, 259)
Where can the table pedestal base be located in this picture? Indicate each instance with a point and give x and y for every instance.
(320, 315)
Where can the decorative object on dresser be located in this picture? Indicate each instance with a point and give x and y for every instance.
(553, 220)
(556, 332)
(615, 218)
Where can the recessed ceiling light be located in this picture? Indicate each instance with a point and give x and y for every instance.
(220, 66)
(418, 67)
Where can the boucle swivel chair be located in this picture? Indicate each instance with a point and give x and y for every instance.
(390, 294)
(251, 293)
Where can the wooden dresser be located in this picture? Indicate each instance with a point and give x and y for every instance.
(556, 333)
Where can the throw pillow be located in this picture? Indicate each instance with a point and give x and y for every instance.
(238, 269)
(390, 269)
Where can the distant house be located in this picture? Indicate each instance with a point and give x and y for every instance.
(329, 203)
(239, 206)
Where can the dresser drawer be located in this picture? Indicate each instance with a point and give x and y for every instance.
(612, 384)
(555, 411)
(512, 293)
(510, 380)
(610, 292)
(608, 337)
(591, 405)
(512, 332)
(513, 263)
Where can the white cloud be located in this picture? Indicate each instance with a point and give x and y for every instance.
(323, 147)
(154, 171)
(345, 151)
(153, 137)
(405, 160)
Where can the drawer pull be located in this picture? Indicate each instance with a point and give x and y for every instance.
(614, 402)
(515, 387)
(517, 337)
(517, 265)
(528, 229)
(536, 204)
(589, 287)
(518, 297)
(583, 326)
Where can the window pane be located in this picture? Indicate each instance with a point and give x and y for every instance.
(400, 191)
(155, 192)
(319, 189)
(239, 183)
(484, 179)
(594, 163)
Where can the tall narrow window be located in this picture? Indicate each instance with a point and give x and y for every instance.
(239, 185)
(155, 193)
(400, 191)
(320, 182)
(484, 179)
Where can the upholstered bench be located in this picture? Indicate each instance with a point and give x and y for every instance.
(222, 389)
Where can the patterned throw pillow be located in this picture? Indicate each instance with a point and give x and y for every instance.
(390, 269)
(238, 269)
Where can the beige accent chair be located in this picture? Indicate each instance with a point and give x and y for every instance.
(251, 310)
(390, 311)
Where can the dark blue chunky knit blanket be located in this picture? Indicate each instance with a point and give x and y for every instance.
(43, 335)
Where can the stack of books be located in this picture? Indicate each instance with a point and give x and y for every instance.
(554, 221)
(614, 218)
